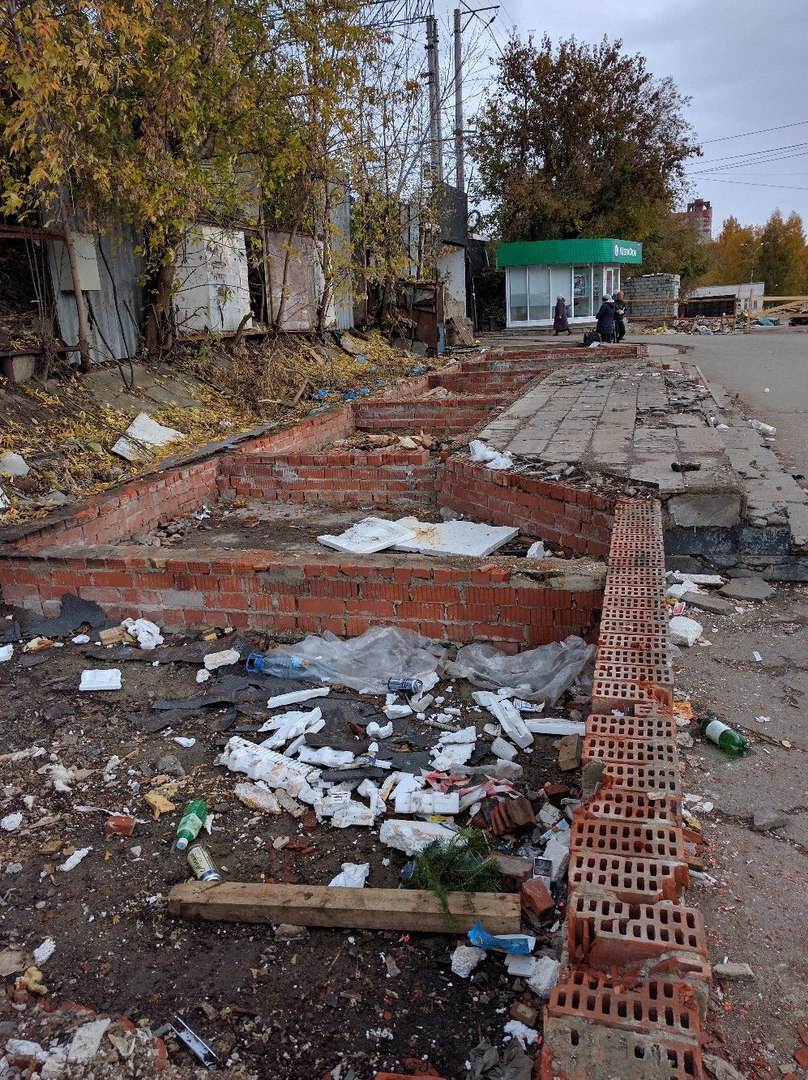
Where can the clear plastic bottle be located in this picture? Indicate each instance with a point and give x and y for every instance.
(722, 735)
(191, 822)
(767, 429)
(286, 667)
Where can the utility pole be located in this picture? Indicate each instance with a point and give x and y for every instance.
(435, 135)
(460, 172)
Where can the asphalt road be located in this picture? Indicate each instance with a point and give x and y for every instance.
(767, 370)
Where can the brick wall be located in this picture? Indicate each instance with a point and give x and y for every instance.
(434, 416)
(453, 600)
(347, 478)
(561, 514)
(638, 969)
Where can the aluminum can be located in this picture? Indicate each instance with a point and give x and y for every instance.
(201, 862)
(405, 686)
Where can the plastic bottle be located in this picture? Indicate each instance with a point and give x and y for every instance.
(723, 735)
(767, 429)
(191, 822)
(286, 667)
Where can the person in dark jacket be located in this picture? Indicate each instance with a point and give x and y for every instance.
(620, 308)
(605, 317)
(560, 318)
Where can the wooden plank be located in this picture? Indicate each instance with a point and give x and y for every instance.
(358, 909)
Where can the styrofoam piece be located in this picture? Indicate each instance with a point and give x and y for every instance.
(374, 731)
(216, 660)
(465, 959)
(405, 788)
(353, 876)
(550, 725)
(698, 579)
(202, 675)
(11, 822)
(501, 748)
(454, 748)
(434, 802)
(538, 551)
(520, 966)
(291, 725)
(12, 464)
(256, 797)
(368, 790)
(509, 717)
(544, 977)
(412, 837)
(327, 804)
(352, 813)
(369, 535)
(464, 735)
(75, 859)
(42, 953)
(100, 679)
(684, 631)
(454, 537)
(480, 452)
(146, 632)
(677, 591)
(549, 815)
(185, 741)
(296, 697)
(261, 763)
(6, 653)
(397, 712)
(557, 851)
(523, 1034)
(142, 436)
(325, 755)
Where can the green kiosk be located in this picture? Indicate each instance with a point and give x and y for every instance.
(582, 271)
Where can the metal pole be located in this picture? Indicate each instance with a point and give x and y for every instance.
(436, 137)
(460, 172)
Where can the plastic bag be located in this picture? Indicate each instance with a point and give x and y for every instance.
(521, 944)
(545, 672)
(479, 452)
(363, 663)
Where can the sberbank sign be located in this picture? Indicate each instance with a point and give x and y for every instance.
(625, 251)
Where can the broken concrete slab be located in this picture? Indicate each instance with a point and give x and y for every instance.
(767, 820)
(714, 604)
(454, 537)
(733, 970)
(368, 536)
(142, 437)
(751, 588)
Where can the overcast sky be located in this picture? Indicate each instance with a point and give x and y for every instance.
(744, 63)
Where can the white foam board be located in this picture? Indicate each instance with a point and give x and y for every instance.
(369, 535)
(453, 537)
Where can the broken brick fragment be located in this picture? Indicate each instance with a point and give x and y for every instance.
(536, 897)
(512, 815)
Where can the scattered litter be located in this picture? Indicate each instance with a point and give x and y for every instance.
(11, 822)
(465, 959)
(214, 661)
(520, 966)
(182, 740)
(146, 633)
(296, 696)
(353, 876)
(159, 799)
(6, 652)
(202, 675)
(555, 726)
(507, 943)
(509, 717)
(545, 672)
(487, 455)
(524, 1035)
(100, 679)
(757, 657)
(75, 859)
(413, 836)
(142, 436)
(685, 631)
(12, 464)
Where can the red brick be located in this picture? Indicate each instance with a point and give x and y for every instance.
(635, 880)
(536, 898)
(580, 1049)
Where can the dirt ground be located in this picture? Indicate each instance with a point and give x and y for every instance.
(275, 1009)
(754, 898)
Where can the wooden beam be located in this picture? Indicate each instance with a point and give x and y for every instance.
(24, 232)
(352, 909)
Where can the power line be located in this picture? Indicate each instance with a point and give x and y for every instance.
(753, 153)
(750, 183)
(746, 164)
(761, 131)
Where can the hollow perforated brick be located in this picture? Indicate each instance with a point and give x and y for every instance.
(611, 935)
(636, 650)
(659, 778)
(620, 604)
(636, 591)
(626, 839)
(635, 669)
(623, 750)
(578, 1049)
(614, 803)
(613, 694)
(608, 726)
(636, 575)
(662, 1006)
(646, 709)
(637, 560)
(636, 880)
(651, 625)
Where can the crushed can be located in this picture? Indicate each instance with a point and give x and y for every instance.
(201, 862)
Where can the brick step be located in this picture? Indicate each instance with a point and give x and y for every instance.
(661, 1006)
(625, 839)
(636, 806)
(636, 880)
(636, 650)
(627, 751)
(616, 936)
(577, 1049)
(656, 777)
(646, 624)
(622, 694)
(632, 668)
(608, 726)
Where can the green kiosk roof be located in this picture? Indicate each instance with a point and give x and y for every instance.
(557, 252)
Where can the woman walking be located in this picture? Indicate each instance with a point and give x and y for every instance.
(560, 320)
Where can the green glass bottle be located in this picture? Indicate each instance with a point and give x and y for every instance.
(723, 735)
(191, 822)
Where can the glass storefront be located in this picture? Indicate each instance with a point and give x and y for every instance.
(532, 291)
